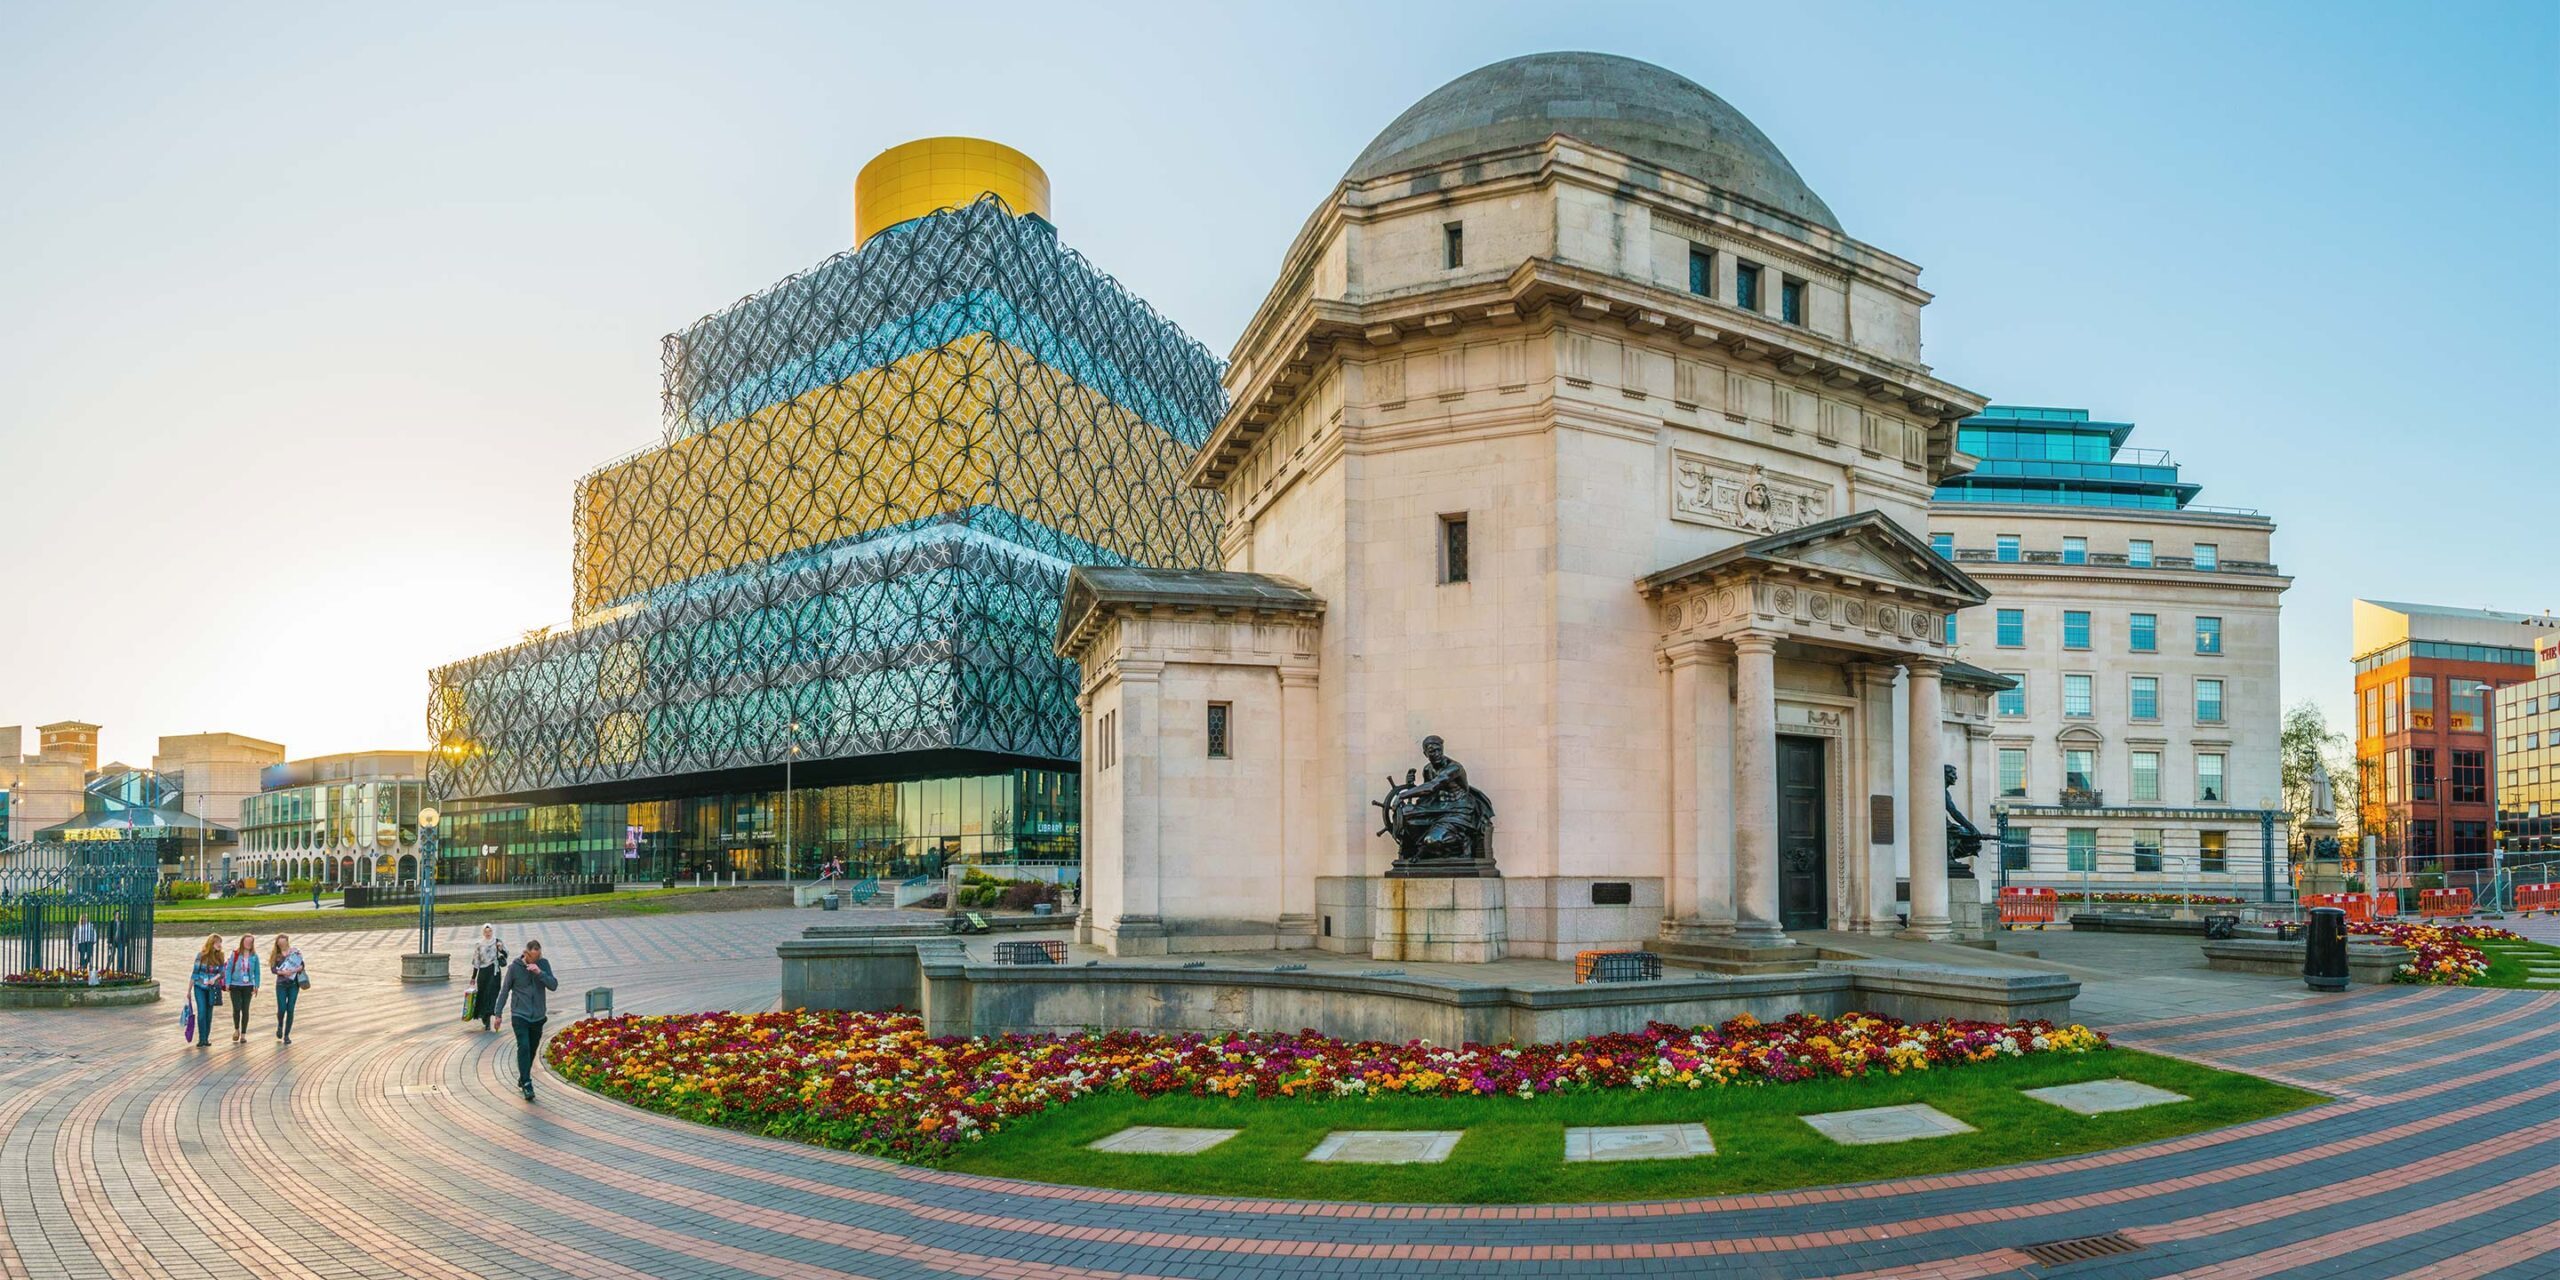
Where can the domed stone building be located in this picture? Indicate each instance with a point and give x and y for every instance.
(1576, 432)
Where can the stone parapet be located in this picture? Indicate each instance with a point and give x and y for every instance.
(78, 997)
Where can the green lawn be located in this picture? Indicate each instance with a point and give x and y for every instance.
(1514, 1150)
(636, 902)
(2507, 962)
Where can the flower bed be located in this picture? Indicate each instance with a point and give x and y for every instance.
(71, 978)
(2444, 954)
(875, 1082)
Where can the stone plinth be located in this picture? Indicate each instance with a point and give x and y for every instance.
(81, 996)
(435, 966)
(1439, 919)
(2366, 962)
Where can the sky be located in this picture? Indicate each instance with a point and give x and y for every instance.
(311, 316)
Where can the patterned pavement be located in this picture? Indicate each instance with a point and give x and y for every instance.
(387, 1142)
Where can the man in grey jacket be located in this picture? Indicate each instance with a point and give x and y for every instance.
(524, 991)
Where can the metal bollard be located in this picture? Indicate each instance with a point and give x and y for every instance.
(2324, 950)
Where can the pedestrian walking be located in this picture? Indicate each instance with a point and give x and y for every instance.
(84, 935)
(240, 978)
(204, 985)
(526, 990)
(285, 962)
(315, 895)
(488, 965)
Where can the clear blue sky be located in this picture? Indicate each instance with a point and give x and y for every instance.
(310, 316)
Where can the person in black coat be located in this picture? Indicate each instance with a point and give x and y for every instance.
(526, 990)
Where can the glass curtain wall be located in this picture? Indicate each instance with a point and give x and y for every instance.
(887, 829)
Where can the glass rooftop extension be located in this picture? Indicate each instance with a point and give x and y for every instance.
(2041, 456)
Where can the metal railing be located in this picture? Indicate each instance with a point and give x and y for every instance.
(47, 890)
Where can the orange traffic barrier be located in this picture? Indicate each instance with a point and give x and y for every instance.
(2531, 898)
(2444, 904)
(2359, 907)
(2027, 907)
(2386, 905)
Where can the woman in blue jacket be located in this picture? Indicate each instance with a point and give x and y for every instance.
(240, 978)
(284, 960)
(204, 986)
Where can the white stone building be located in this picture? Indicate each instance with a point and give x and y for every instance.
(1586, 440)
(2137, 750)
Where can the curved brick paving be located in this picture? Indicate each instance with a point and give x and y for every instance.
(387, 1142)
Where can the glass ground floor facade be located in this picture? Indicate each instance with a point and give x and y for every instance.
(887, 829)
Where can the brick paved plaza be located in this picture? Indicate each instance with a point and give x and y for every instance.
(387, 1141)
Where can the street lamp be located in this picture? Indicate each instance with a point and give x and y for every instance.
(428, 965)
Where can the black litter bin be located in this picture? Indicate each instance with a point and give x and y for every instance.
(827, 903)
(2222, 927)
(2324, 950)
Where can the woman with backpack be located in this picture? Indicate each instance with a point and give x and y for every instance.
(204, 986)
(240, 978)
(285, 961)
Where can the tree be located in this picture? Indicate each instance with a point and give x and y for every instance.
(2306, 743)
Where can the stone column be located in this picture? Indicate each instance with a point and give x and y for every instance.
(1139, 930)
(1086, 785)
(1301, 827)
(1872, 775)
(1755, 789)
(1697, 898)
(1680, 847)
(1926, 820)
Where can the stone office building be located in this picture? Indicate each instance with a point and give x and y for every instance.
(1577, 432)
(2136, 747)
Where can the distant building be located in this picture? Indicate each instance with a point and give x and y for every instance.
(2425, 677)
(120, 802)
(44, 789)
(2139, 748)
(342, 819)
(2526, 727)
(213, 773)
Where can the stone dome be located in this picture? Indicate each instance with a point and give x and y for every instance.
(1620, 103)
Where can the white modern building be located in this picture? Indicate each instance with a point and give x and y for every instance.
(337, 820)
(2137, 749)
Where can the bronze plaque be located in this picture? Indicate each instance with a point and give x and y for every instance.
(1880, 819)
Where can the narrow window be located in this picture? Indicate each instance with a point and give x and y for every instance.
(2076, 696)
(2137, 553)
(2075, 551)
(2146, 850)
(2015, 850)
(1453, 548)
(1218, 714)
(2208, 702)
(2013, 700)
(2080, 769)
(1791, 300)
(2208, 557)
(2083, 848)
(2209, 777)
(2146, 776)
(2213, 851)
(1702, 271)
(1944, 544)
(1453, 244)
(2013, 771)
(1746, 285)
(2145, 695)
(1951, 628)
(2145, 632)
(2012, 629)
(2075, 628)
(2008, 543)
(2208, 635)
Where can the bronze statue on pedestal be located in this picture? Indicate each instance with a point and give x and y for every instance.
(1441, 825)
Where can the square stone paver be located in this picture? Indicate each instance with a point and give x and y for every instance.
(1637, 1142)
(2097, 1096)
(1887, 1124)
(1157, 1140)
(1386, 1146)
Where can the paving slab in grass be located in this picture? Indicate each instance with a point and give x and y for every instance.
(2096, 1097)
(1887, 1124)
(1637, 1142)
(1386, 1146)
(1158, 1140)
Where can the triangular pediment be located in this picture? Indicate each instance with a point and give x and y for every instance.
(1867, 547)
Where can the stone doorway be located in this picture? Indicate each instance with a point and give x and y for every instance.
(1803, 867)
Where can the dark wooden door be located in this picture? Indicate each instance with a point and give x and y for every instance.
(1802, 870)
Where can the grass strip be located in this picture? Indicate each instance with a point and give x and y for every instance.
(1513, 1152)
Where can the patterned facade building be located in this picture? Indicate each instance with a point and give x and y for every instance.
(813, 620)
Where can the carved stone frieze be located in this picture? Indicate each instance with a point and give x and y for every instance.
(1747, 498)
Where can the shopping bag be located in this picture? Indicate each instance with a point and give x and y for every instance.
(187, 1023)
(467, 997)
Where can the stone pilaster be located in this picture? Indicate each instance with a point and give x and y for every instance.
(1755, 789)
(1925, 801)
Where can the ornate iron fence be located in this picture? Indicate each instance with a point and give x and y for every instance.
(48, 890)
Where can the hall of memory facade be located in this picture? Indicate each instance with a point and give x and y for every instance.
(1588, 441)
